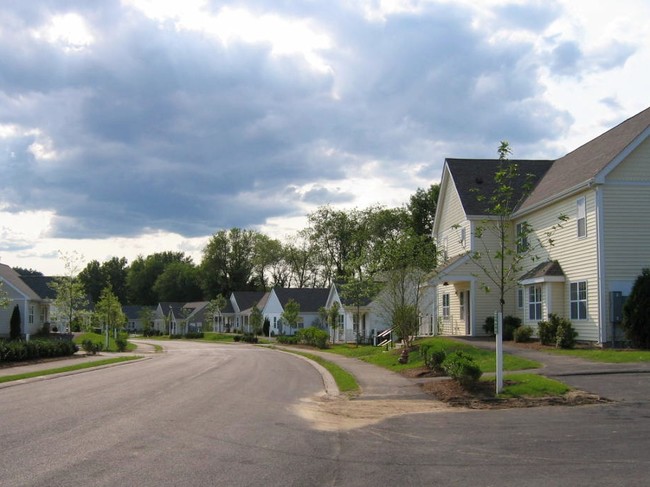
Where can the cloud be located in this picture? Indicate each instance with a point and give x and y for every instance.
(165, 120)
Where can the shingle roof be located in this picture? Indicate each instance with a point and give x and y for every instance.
(132, 311)
(248, 299)
(474, 177)
(309, 299)
(39, 284)
(584, 163)
(545, 269)
(12, 278)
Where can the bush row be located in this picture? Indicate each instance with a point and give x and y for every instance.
(313, 336)
(15, 351)
(457, 365)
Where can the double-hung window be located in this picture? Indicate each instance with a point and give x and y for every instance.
(445, 306)
(522, 237)
(578, 300)
(535, 303)
(581, 217)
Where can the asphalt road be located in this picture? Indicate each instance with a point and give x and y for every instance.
(217, 415)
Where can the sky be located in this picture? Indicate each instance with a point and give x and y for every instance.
(129, 127)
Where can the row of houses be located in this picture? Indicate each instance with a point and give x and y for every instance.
(602, 189)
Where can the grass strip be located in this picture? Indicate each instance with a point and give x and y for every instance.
(69, 368)
(606, 356)
(530, 385)
(345, 381)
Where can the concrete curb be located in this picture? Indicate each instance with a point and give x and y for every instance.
(331, 389)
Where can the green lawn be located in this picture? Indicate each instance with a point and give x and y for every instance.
(530, 385)
(345, 381)
(80, 366)
(101, 339)
(608, 356)
(485, 359)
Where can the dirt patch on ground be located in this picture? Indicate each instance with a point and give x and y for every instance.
(343, 414)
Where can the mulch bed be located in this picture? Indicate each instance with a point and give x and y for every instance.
(483, 395)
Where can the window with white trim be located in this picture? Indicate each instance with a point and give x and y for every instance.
(578, 300)
(520, 297)
(535, 303)
(445, 306)
(31, 314)
(461, 305)
(522, 230)
(581, 217)
(463, 236)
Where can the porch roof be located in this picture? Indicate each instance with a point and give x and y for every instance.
(549, 271)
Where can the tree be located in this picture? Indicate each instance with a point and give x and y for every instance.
(93, 280)
(228, 262)
(422, 209)
(358, 292)
(268, 258)
(146, 316)
(4, 297)
(333, 318)
(70, 297)
(408, 262)
(636, 312)
(501, 266)
(179, 281)
(301, 259)
(291, 313)
(256, 320)
(108, 311)
(213, 309)
(27, 272)
(143, 272)
(14, 324)
(115, 271)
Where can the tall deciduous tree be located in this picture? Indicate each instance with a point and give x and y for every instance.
(228, 262)
(144, 271)
(71, 297)
(180, 281)
(422, 209)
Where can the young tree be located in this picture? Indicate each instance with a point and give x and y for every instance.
(291, 313)
(501, 266)
(146, 316)
(256, 320)
(14, 324)
(333, 318)
(213, 309)
(70, 294)
(636, 312)
(108, 311)
(358, 292)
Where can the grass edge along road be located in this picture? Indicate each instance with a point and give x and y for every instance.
(345, 381)
(69, 368)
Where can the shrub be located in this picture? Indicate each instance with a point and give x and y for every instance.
(547, 330)
(287, 339)
(15, 351)
(488, 326)
(510, 324)
(91, 347)
(313, 336)
(237, 338)
(194, 334)
(121, 343)
(636, 312)
(248, 338)
(565, 335)
(433, 359)
(523, 334)
(462, 368)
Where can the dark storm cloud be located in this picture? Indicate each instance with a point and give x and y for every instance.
(160, 128)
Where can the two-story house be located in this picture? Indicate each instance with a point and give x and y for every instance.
(602, 189)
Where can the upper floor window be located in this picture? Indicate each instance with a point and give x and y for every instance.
(522, 237)
(535, 303)
(581, 217)
(578, 300)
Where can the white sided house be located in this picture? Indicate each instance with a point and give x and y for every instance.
(34, 310)
(310, 300)
(603, 190)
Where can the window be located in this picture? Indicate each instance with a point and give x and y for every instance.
(341, 322)
(31, 314)
(535, 303)
(581, 217)
(461, 305)
(520, 297)
(445, 305)
(463, 236)
(444, 248)
(578, 300)
(522, 237)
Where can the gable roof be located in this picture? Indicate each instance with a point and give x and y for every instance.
(247, 299)
(309, 299)
(13, 279)
(472, 177)
(40, 285)
(132, 311)
(582, 165)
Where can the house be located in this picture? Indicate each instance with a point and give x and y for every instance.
(133, 314)
(34, 309)
(602, 188)
(310, 300)
(242, 304)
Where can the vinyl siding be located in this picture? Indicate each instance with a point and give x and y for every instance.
(577, 257)
(451, 216)
(635, 167)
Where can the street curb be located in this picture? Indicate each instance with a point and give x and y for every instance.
(331, 389)
(17, 382)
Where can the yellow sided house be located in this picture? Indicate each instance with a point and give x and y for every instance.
(590, 210)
